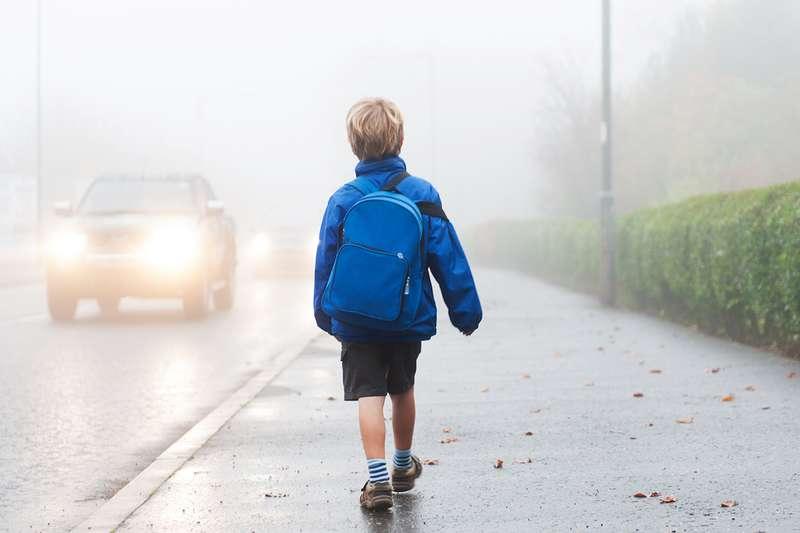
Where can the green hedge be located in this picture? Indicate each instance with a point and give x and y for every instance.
(728, 263)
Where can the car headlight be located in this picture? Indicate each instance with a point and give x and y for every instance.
(172, 247)
(66, 245)
(260, 246)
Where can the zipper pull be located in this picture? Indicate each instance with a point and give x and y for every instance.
(408, 286)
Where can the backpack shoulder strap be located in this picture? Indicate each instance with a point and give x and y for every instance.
(432, 210)
(426, 208)
(363, 185)
(395, 181)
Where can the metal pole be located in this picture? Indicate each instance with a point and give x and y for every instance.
(608, 266)
(39, 194)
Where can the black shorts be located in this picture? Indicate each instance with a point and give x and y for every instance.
(372, 369)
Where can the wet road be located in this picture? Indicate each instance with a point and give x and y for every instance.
(87, 405)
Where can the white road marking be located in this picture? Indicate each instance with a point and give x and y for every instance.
(133, 495)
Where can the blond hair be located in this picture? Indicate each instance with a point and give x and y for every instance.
(375, 128)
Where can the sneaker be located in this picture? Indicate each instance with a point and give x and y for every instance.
(376, 496)
(403, 479)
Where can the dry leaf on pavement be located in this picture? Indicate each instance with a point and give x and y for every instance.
(526, 376)
(728, 503)
(655, 494)
(498, 463)
(750, 388)
(525, 461)
(331, 398)
(685, 420)
(668, 499)
(485, 389)
(446, 429)
(528, 433)
(640, 495)
(449, 440)
(712, 370)
(655, 370)
(791, 375)
(638, 395)
(430, 462)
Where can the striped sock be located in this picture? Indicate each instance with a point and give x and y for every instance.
(377, 470)
(402, 459)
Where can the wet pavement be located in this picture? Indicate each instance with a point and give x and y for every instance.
(551, 377)
(88, 405)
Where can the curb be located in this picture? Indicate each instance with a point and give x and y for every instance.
(129, 498)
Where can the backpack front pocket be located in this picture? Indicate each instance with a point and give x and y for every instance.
(368, 282)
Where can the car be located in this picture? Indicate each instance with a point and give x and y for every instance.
(285, 251)
(143, 238)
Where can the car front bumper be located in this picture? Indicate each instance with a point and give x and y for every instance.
(99, 274)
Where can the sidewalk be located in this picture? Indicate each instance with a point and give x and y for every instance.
(546, 361)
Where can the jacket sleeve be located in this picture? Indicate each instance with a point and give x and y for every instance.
(326, 253)
(449, 266)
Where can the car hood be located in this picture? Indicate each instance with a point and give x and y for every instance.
(129, 222)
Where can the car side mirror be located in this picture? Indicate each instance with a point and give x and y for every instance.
(215, 207)
(63, 209)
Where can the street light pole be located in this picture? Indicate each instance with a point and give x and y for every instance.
(608, 267)
(39, 194)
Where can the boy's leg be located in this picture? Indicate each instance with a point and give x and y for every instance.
(373, 428)
(403, 417)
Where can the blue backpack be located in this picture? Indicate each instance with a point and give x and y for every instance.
(376, 279)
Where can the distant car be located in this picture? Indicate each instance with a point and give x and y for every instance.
(283, 252)
(146, 238)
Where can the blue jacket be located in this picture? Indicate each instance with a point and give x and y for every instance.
(445, 258)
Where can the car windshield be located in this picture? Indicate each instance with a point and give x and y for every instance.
(138, 196)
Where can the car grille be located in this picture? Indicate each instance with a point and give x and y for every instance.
(118, 242)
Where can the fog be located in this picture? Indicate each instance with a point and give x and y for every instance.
(253, 94)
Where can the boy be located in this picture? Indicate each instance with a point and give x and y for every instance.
(376, 363)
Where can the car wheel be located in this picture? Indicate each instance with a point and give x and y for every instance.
(224, 297)
(61, 304)
(196, 301)
(109, 305)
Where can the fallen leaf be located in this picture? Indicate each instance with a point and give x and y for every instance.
(750, 388)
(556, 354)
(668, 499)
(275, 495)
(485, 389)
(536, 411)
(727, 398)
(791, 375)
(712, 370)
(655, 494)
(600, 348)
(498, 463)
(638, 395)
(430, 462)
(685, 420)
(525, 461)
(331, 398)
(655, 370)
(446, 430)
(729, 503)
(640, 495)
(526, 376)
(765, 408)
(528, 433)
(449, 440)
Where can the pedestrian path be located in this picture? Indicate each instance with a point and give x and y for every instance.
(585, 407)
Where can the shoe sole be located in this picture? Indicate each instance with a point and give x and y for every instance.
(381, 503)
(403, 485)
